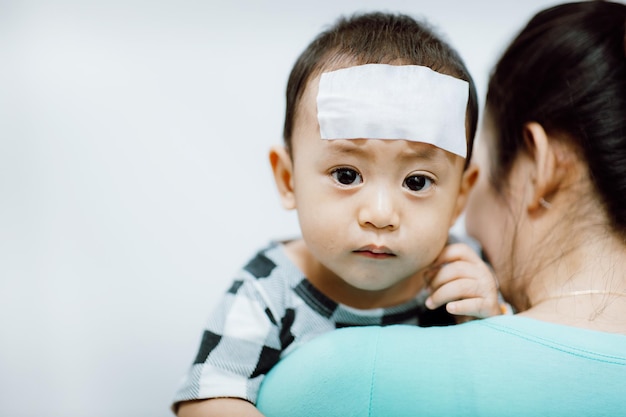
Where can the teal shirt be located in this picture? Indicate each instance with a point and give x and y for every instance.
(502, 366)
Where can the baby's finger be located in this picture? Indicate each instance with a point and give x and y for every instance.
(451, 291)
(456, 270)
(476, 307)
(457, 252)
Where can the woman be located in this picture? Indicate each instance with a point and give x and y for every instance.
(549, 208)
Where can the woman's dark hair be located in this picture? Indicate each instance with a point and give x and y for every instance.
(566, 70)
(377, 38)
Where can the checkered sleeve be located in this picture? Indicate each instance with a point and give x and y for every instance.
(240, 344)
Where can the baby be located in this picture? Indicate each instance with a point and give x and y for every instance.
(379, 126)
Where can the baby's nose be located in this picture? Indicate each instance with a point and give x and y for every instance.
(378, 209)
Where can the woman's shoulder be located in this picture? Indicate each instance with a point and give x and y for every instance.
(495, 364)
(477, 339)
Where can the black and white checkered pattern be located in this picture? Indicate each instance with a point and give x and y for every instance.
(270, 309)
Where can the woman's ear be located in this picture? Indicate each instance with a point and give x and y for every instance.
(467, 183)
(549, 166)
(282, 167)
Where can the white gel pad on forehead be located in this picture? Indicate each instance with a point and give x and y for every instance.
(379, 101)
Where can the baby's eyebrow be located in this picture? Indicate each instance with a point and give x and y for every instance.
(421, 152)
(347, 146)
(427, 152)
(417, 151)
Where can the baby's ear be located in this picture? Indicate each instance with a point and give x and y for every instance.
(282, 167)
(470, 175)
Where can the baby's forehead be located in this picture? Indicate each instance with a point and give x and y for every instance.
(391, 102)
(401, 150)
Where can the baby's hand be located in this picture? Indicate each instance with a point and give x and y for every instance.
(462, 281)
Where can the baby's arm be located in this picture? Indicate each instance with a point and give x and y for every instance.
(218, 407)
(462, 281)
(240, 343)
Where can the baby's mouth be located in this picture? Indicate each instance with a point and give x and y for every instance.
(374, 251)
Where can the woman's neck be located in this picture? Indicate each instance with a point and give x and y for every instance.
(586, 287)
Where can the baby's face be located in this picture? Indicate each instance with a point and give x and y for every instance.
(374, 212)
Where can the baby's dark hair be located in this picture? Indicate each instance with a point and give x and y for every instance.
(566, 70)
(377, 38)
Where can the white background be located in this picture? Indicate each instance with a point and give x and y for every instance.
(134, 179)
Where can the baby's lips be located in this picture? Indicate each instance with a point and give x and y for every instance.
(379, 250)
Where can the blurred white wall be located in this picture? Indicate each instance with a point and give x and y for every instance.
(134, 179)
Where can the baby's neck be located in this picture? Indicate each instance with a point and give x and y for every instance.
(341, 292)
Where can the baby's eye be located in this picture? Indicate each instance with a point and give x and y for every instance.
(418, 182)
(346, 176)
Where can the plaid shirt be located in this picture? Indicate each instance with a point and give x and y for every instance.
(270, 309)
